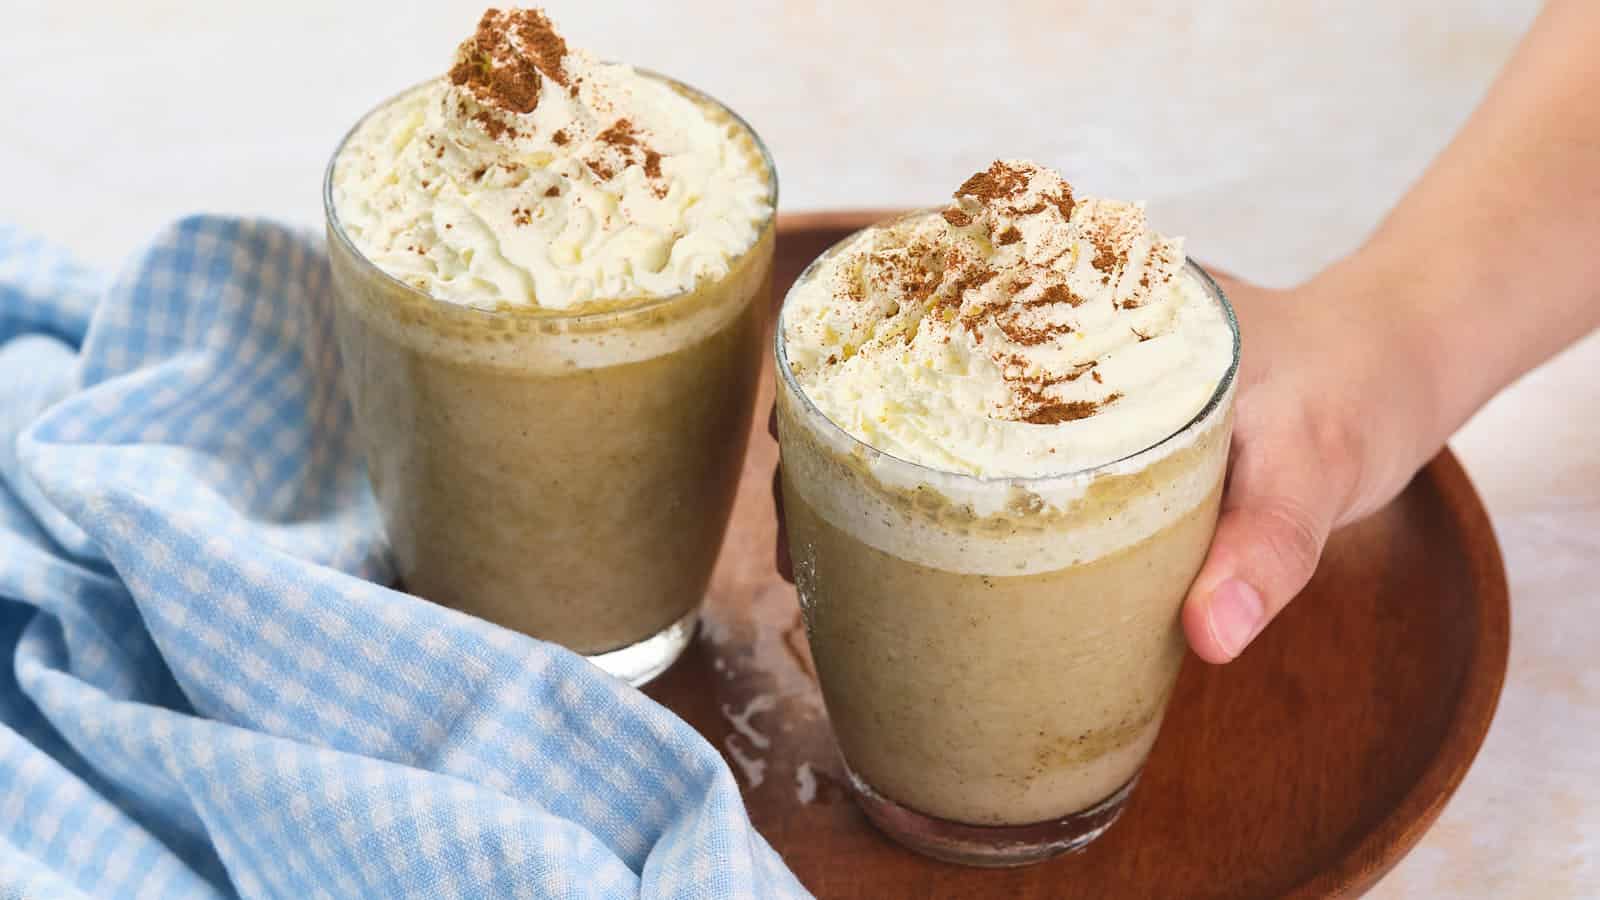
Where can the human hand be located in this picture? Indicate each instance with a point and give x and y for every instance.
(1329, 424)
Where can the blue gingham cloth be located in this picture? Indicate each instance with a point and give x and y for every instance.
(208, 693)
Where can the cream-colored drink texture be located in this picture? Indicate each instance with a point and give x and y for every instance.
(550, 311)
(997, 636)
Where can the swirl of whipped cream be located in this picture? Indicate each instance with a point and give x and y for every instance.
(535, 175)
(1019, 332)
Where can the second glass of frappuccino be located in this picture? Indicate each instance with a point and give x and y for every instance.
(551, 276)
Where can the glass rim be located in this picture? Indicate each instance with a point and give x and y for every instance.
(330, 212)
(786, 375)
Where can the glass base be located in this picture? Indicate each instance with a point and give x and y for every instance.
(640, 663)
(990, 846)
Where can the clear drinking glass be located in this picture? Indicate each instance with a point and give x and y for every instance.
(568, 476)
(996, 654)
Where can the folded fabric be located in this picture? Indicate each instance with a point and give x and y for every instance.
(211, 693)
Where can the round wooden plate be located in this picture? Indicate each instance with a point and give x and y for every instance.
(1307, 768)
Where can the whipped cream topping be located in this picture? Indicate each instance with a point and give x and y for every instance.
(535, 175)
(1018, 332)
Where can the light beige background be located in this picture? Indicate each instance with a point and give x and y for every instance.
(1272, 133)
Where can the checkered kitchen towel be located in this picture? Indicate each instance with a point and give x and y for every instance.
(205, 694)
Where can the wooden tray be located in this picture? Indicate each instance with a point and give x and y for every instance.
(1308, 768)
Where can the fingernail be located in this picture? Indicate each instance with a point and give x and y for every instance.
(1237, 613)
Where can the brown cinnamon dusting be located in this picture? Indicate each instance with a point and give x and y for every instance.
(1039, 382)
(539, 37)
(977, 276)
(620, 134)
(957, 217)
(624, 138)
(552, 191)
(1079, 371)
(520, 215)
(1054, 413)
(1064, 202)
(1057, 293)
(1010, 236)
(502, 74)
(494, 125)
(998, 182)
(560, 138)
(1031, 337)
(1105, 258)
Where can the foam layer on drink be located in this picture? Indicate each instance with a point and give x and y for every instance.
(1009, 378)
(958, 523)
(534, 176)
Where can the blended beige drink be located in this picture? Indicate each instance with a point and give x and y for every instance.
(1004, 427)
(551, 278)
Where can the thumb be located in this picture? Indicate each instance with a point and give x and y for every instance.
(1266, 548)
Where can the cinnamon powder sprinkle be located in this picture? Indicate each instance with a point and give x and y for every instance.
(998, 182)
(494, 126)
(560, 138)
(552, 191)
(1105, 258)
(957, 217)
(1031, 337)
(1044, 381)
(1056, 413)
(1010, 236)
(1064, 202)
(1060, 293)
(539, 37)
(625, 139)
(973, 278)
(620, 134)
(499, 73)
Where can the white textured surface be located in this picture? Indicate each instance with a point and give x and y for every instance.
(1273, 134)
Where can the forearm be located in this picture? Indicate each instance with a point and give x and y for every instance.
(1491, 263)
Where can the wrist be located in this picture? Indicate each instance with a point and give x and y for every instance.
(1402, 367)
